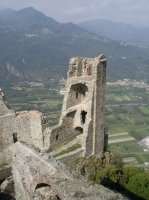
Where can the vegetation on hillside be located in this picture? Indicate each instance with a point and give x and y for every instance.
(36, 47)
(110, 172)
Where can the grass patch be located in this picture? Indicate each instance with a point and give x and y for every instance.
(140, 132)
(72, 148)
(142, 158)
(144, 110)
(130, 147)
(118, 128)
(126, 118)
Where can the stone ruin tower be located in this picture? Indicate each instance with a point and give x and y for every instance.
(81, 121)
(83, 107)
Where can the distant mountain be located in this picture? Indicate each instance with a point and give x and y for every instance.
(118, 31)
(36, 47)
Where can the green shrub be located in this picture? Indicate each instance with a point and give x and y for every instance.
(139, 185)
(109, 171)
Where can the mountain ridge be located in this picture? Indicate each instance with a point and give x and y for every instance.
(117, 31)
(38, 48)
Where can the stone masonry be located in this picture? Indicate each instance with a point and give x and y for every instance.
(30, 126)
(7, 127)
(82, 114)
(83, 107)
(40, 177)
(27, 126)
(36, 174)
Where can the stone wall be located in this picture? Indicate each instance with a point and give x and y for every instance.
(30, 126)
(7, 126)
(63, 133)
(25, 126)
(38, 176)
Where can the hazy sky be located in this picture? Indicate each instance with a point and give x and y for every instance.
(129, 11)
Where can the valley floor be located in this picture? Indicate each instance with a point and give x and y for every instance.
(127, 114)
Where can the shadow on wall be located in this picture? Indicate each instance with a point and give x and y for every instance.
(15, 138)
(4, 196)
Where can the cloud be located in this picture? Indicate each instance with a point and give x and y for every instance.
(129, 11)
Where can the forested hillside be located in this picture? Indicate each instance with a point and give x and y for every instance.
(36, 47)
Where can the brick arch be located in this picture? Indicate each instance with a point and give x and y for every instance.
(80, 87)
(41, 181)
(43, 190)
(77, 94)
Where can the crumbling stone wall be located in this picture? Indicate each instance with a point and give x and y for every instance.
(61, 134)
(7, 126)
(83, 107)
(25, 126)
(30, 126)
(82, 113)
(38, 176)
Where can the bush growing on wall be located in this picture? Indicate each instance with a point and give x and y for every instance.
(110, 172)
